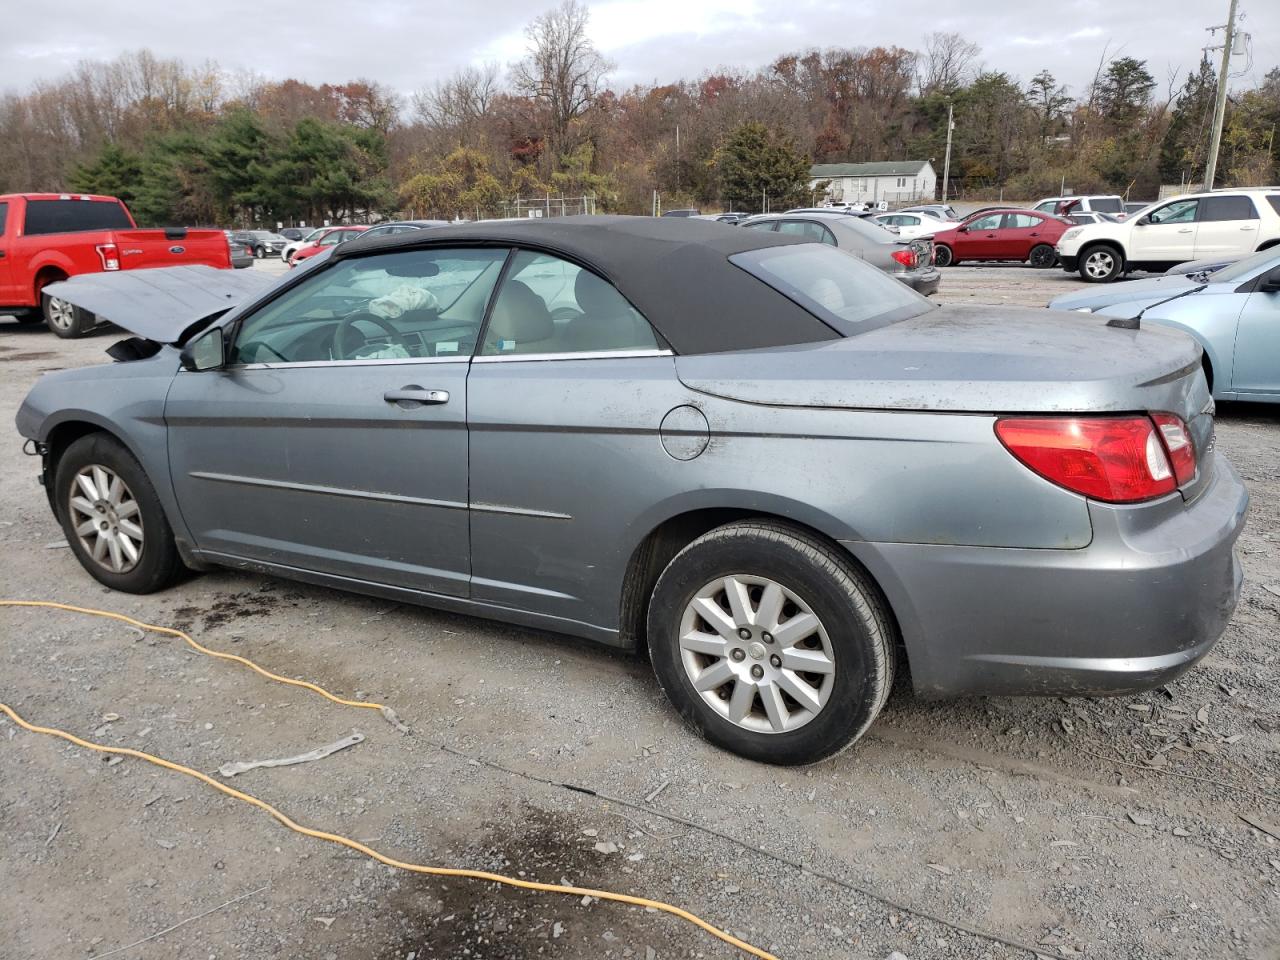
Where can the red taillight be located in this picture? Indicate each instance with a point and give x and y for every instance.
(908, 258)
(1116, 459)
(109, 255)
(1179, 445)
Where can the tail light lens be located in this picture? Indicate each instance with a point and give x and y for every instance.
(109, 254)
(1114, 459)
(1179, 445)
(907, 258)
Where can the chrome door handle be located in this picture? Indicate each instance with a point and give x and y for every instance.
(413, 393)
(1187, 230)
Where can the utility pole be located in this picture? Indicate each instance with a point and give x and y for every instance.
(1220, 109)
(946, 163)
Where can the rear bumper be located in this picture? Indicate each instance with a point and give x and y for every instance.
(1136, 608)
(923, 281)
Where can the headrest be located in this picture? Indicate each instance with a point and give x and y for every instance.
(520, 315)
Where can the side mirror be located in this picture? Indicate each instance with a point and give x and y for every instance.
(1270, 283)
(205, 352)
(963, 228)
(1143, 221)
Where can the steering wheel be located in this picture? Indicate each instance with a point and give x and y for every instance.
(342, 334)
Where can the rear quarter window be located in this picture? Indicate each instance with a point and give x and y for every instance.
(72, 216)
(1219, 208)
(4, 216)
(1274, 200)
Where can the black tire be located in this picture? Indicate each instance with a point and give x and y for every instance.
(1101, 264)
(260, 252)
(158, 563)
(942, 256)
(67, 321)
(855, 619)
(1043, 256)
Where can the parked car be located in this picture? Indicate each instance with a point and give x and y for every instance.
(1206, 266)
(292, 233)
(265, 243)
(943, 211)
(909, 261)
(732, 218)
(241, 256)
(391, 228)
(330, 237)
(47, 237)
(691, 212)
(753, 455)
(1001, 235)
(1080, 204)
(293, 246)
(1220, 223)
(1079, 218)
(848, 210)
(1233, 313)
(1130, 208)
(911, 225)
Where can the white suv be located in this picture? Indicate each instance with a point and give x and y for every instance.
(1221, 223)
(1082, 204)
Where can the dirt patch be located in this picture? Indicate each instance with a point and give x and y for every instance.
(224, 609)
(30, 355)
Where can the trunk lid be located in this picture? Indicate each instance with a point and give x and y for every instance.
(975, 359)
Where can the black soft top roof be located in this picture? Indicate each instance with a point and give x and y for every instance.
(675, 271)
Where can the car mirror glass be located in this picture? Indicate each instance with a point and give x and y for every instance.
(205, 352)
(1270, 283)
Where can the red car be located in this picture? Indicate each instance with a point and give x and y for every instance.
(47, 237)
(1001, 235)
(330, 238)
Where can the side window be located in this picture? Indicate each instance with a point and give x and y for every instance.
(411, 304)
(1020, 221)
(761, 225)
(989, 222)
(548, 305)
(4, 215)
(1180, 211)
(1220, 207)
(1274, 200)
(1047, 207)
(807, 229)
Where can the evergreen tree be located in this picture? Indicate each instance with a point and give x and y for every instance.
(1183, 152)
(755, 164)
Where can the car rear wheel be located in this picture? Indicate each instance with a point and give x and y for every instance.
(771, 643)
(112, 517)
(66, 320)
(1100, 264)
(260, 252)
(942, 256)
(1042, 256)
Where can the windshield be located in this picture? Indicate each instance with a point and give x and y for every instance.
(838, 288)
(1243, 269)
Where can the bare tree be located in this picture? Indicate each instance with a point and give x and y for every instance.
(460, 100)
(563, 70)
(946, 61)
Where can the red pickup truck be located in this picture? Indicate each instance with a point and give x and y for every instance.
(46, 237)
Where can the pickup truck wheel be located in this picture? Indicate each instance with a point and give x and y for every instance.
(66, 320)
(1100, 264)
(942, 256)
(771, 643)
(112, 517)
(1042, 256)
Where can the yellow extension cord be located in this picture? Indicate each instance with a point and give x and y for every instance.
(334, 837)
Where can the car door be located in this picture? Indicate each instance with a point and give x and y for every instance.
(1167, 234)
(334, 440)
(1256, 369)
(979, 238)
(564, 414)
(1019, 232)
(7, 294)
(1226, 226)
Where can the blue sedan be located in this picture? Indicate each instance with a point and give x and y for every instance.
(1233, 313)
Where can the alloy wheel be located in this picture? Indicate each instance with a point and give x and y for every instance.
(106, 518)
(61, 314)
(1099, 264)
(757, 654)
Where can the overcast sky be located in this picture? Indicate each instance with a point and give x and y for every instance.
(410, 43)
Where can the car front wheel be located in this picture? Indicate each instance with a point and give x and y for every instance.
(112, 517)
(1100, 264)
(771, 643)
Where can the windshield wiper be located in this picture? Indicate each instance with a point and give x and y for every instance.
(1135, 322)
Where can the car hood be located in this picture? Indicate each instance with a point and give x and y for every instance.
(1152, 289)
(970, 359)
(161, 303)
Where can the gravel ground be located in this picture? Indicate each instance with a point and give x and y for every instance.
(1103, 828)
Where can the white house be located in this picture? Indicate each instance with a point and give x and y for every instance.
(894, 181)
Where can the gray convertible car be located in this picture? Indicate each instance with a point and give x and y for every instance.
(777, 469)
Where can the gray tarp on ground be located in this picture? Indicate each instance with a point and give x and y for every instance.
(161, 302)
